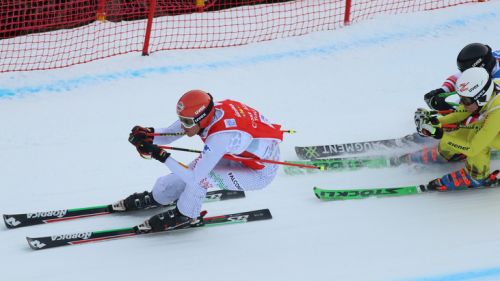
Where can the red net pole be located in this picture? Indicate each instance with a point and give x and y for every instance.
(347, 14)
(200, 5)
(101, 14)
(151, 14)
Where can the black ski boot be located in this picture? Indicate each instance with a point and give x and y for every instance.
(434, 185)
(136, 201)
(171, 219)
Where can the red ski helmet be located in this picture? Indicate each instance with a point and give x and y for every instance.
(195, 107)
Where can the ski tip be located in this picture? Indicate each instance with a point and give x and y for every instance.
(10, 221)
(315, 189)
(229, 193)
(267, 213)
(35, 244)
(5, 218)
(238, 194)
(29, 239)
(262, 214)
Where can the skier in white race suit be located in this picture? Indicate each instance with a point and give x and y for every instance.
(236, 136)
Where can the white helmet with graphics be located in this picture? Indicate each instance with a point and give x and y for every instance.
(474, 85)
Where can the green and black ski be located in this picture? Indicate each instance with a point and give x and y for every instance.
(356, 163)
(344, 164)
(361, 193)
(349, 194)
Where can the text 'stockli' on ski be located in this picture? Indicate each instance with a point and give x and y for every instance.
(361, 193)
(349, 194)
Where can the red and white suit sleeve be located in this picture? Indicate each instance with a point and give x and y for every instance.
(449, 84)
(175, 128)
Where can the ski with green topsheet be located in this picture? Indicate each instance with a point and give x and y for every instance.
(361, 193)
(356, 163)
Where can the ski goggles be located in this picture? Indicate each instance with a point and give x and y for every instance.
(187, 122)
(467, 100)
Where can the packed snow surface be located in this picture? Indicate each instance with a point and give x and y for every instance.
(64, 145)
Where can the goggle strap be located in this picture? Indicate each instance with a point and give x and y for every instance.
(206, 111)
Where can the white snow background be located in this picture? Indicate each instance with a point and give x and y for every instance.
(64, 145)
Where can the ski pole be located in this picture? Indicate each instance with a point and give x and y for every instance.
(235, 158)
(164, 134)
(182, 134)
(441, 112)
(179, 149)
(455, 126)
(445, 112)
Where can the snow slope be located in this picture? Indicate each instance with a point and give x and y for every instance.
(64, 144)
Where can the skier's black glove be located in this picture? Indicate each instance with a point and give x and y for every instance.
(139, 134)
(436, 100)
(155, 151)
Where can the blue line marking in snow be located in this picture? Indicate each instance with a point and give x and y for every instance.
(70, 84)
(464, 276)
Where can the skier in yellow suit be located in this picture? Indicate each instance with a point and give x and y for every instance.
(478, 94)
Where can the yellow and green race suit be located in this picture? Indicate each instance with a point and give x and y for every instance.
(476, 140)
